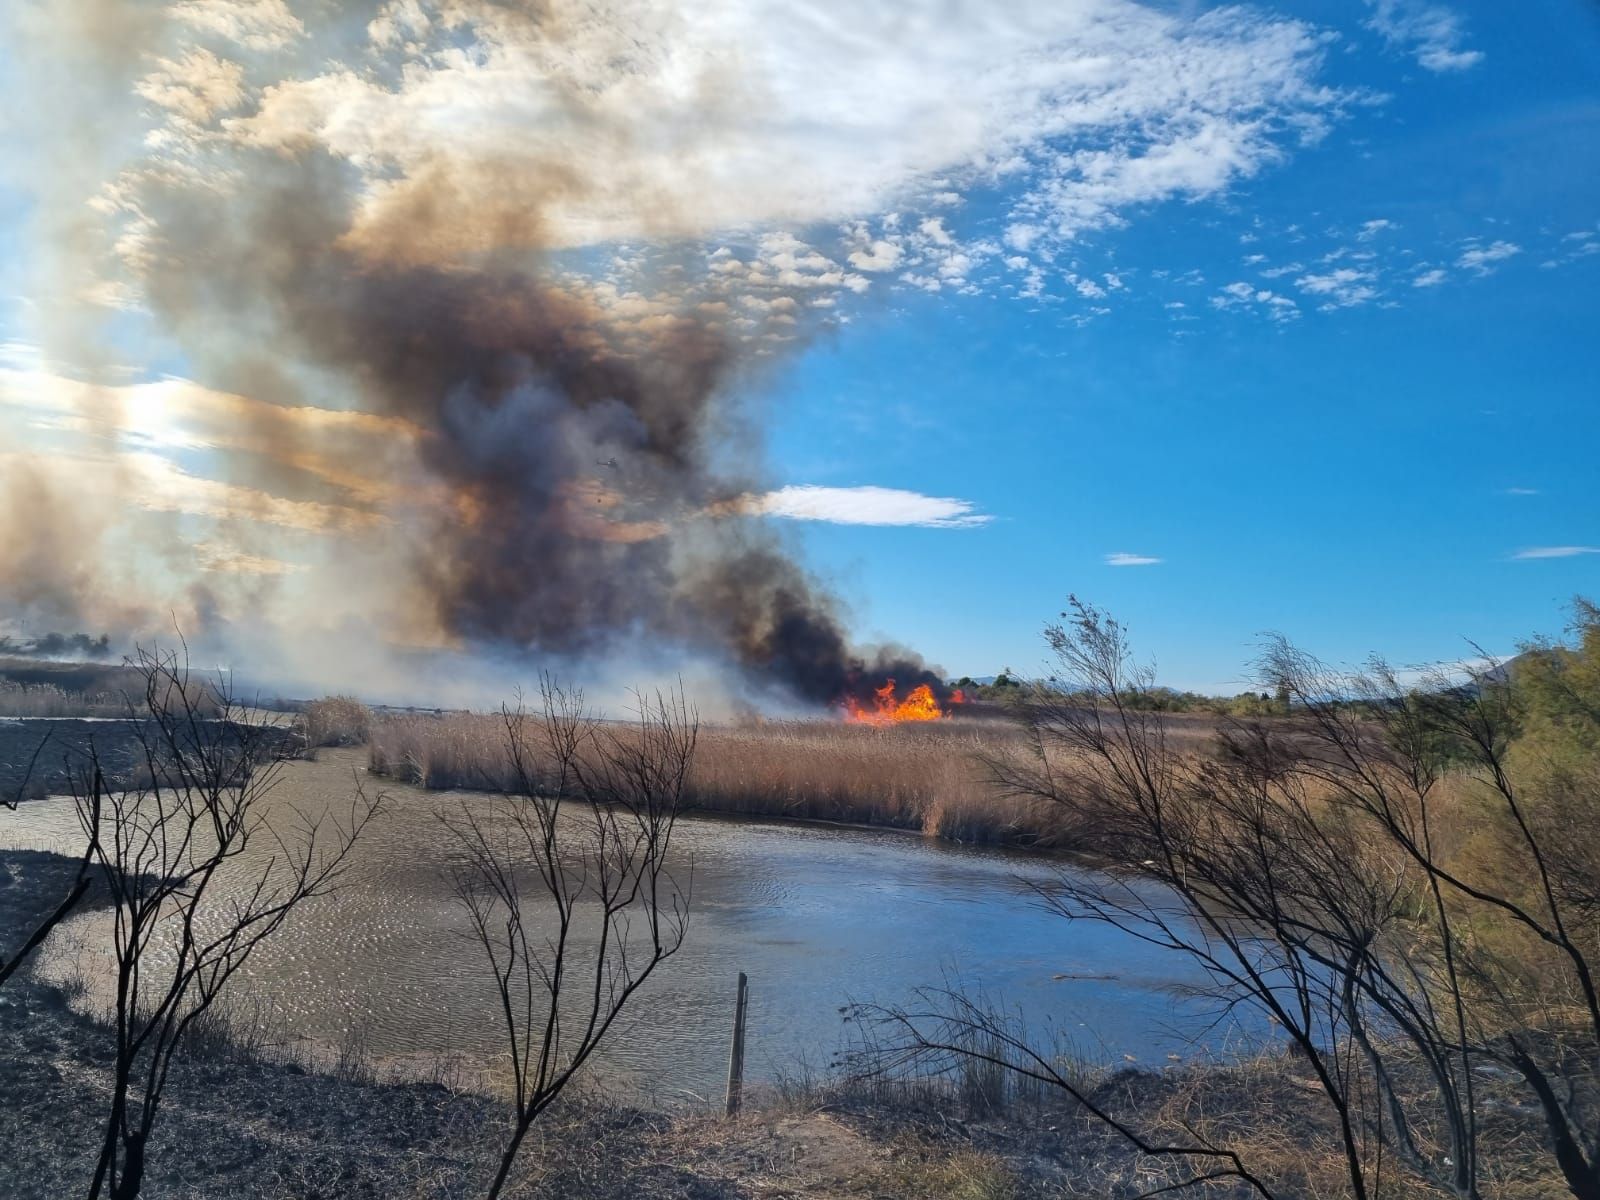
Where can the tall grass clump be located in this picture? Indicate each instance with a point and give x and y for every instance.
(459, 750)
(924, 777)
(335, 721)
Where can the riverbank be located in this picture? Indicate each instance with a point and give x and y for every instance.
(240, 1121)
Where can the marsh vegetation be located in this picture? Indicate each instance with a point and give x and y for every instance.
(934, 777)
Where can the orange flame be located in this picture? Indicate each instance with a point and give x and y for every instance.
(919, 705)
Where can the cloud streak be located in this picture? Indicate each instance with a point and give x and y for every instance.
(1123, 559)
(1537, 552)
(868, 506)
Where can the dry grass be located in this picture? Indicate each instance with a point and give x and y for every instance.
(335, 721)
(926, 777)
(1268, 1108)
(930, 777)
(49, 700)
(961, 1174)
(43, 698)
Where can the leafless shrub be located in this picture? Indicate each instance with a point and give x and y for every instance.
(249, 1033)
(1309, 867)
(353, 1063)
(567, 887)
(198, 876)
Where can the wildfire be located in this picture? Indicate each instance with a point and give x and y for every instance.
(885, 709)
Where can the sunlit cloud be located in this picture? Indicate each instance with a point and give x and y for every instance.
(360, 453)
(1123, 559)
(1092, 110)
(215, 556)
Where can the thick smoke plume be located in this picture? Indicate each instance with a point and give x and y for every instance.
(581, 465)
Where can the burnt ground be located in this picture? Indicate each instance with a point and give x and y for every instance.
(43, 755)
(46, 755)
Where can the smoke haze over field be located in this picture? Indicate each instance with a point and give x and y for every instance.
(443, 316)
(567, 482)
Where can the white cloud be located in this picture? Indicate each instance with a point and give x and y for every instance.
(703, 119)
(1431, 32)
(1521, 491)
(879, 256)
(1555, 552)
(254, 24)
(1344, 287)
(1245, 295)
(1430, 278)
(867, 506)
(1371, 229)
(195, 87)
(1124, 559)
(1580, 243)
(1482, 259)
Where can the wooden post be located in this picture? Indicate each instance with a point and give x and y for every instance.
(736, 1049)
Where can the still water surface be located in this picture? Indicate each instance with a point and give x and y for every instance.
(815, 916)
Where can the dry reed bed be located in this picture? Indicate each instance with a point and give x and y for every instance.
(32, 698)
(929, 777)
(334, 721)
(49, 700)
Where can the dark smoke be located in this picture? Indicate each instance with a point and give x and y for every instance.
(524, 387)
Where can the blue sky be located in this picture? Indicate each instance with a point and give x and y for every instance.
(1227, 319)
(1355, 478)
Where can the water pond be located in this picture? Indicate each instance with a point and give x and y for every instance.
(814, 915)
